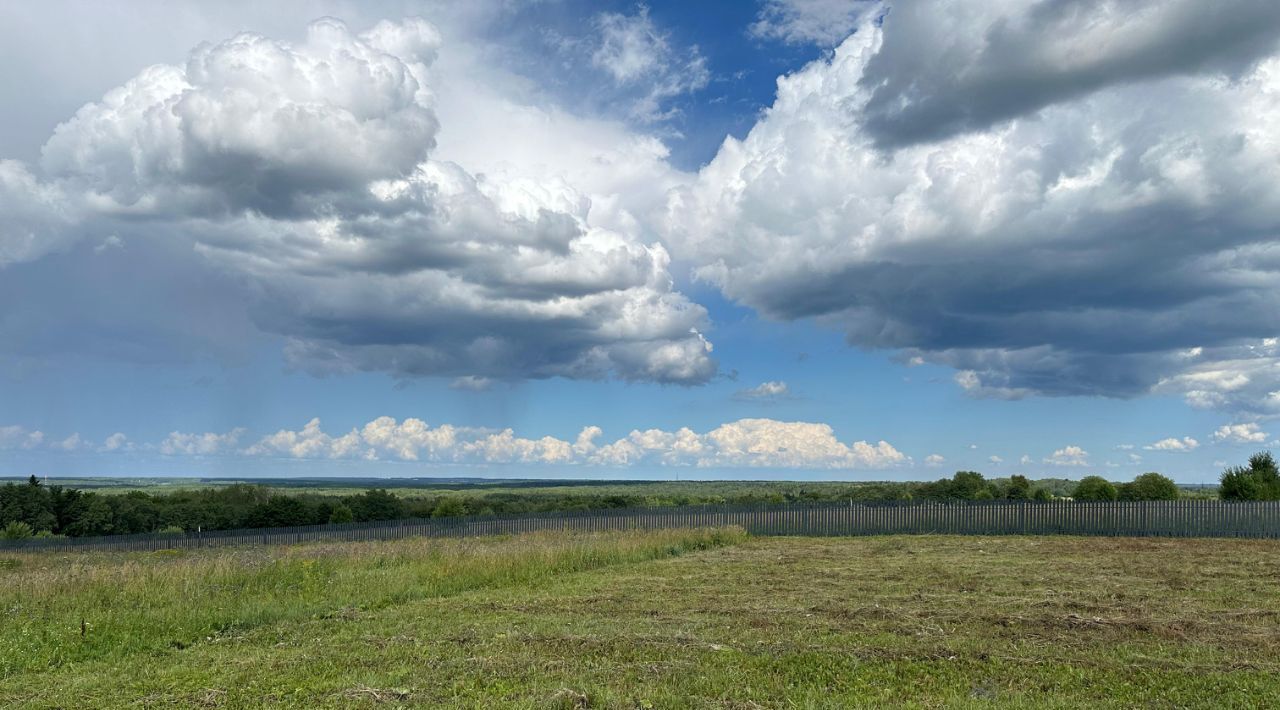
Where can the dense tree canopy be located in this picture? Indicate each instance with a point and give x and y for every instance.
(1095, 488)
(1259, 481)
(1019, 488)
(1149, 486)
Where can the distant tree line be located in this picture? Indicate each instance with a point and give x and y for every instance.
(34, 508)
(1148, 486)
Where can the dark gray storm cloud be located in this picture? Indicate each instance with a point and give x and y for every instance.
(949, 68)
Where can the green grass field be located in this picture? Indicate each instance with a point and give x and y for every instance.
(650, 620)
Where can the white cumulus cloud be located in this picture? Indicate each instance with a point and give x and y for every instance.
(1068, 456)
(179, 443)
(771, 390)
(116, 442)
(751, 443)
(1246, 433)
(1174, 444)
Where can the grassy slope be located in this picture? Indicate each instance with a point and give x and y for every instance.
(922, 621)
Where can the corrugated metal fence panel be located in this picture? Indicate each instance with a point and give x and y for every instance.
(1253, 519)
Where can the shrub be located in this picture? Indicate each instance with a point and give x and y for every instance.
(16, 530)
(341, 514)
(1095, 488)
(1042, 494)
(449, 508)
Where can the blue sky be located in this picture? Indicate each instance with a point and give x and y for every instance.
(793, 239)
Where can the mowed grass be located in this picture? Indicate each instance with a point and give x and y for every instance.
(679, 619)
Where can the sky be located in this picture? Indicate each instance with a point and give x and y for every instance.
(801, 239)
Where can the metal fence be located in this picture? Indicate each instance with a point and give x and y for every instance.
(1189, 518)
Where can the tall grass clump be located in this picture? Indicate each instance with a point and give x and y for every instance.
(57, 609)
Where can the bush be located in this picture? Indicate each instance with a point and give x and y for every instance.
(16, 530)
(1095, 488)
(1042, 495)
(1149, 486)
(1260, 481)
(341, 514)
(449, 508)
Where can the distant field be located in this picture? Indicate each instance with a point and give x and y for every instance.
(671, 619)
(476, 487)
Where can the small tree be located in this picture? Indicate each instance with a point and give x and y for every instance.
(1042, 494)
(1095, 488)
(966, 485)
(1238, 483)
(1150, 486)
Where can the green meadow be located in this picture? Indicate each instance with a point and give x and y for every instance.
(685, 618)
